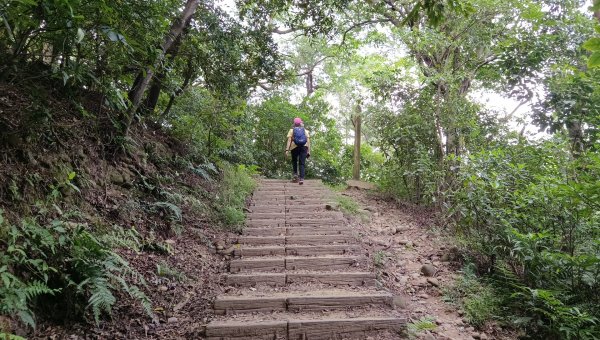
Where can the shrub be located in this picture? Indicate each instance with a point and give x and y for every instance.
(63, 266)
(236, 186)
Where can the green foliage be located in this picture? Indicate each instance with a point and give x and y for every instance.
(347, 205)
(59, 266)
(480, 302)
(529, 213)
(236, 185)
(379, 258)
(164, 270)
(426, 323)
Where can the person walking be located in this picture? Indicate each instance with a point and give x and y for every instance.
(298, 143)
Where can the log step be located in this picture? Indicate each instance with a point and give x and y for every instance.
(314, 240)
(354, 279)
(262, 240)
(296, 250)
(299, 302)
(324, 263)
(313, 329)
(312, 230)
(330, 249)
(305, 222)
(260, 251)
(366, 279)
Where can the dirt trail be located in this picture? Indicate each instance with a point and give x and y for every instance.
(301, 272)
(405, 238)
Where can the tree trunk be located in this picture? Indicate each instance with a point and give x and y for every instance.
(357, 120)
(139, 88)
(310, 88)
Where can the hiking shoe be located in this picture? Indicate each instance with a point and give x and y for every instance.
(301, 181)
(295, 179)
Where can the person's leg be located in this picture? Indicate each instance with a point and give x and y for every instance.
(295, 154)
(302, 161)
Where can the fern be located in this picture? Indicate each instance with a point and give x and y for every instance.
(101, 299)
(175, 211)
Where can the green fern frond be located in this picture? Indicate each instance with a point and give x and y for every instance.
(101, 299)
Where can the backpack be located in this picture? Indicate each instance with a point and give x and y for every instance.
(299, 136)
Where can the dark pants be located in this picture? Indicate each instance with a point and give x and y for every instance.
(299, 156)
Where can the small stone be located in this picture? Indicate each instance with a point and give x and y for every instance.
(220, 245)
(429, 337)
(483, 336)
(170, 241)
(471, 329)
(399, 302)
(428, 270)
(403, 242)
(433, 281)
(476, 336)
(424, 296)
(410, 244)
(172, 319)
(460, 312)
(162, 288)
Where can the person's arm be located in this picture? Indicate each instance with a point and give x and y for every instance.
(288, 145)
(308, 144)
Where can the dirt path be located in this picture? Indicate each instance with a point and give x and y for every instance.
(301, 272)
(404, 239)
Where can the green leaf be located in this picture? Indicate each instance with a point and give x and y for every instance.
(594, 60)
(72, 175)
(592, 44)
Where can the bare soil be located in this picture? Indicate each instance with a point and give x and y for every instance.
(406, 237)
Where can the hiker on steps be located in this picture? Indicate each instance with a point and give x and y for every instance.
(298, 142)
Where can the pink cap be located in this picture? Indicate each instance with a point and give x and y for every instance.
(297, 121)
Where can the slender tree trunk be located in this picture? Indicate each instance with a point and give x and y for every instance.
(357, 120)
(310, 88)
(140, 86)
(189, 74)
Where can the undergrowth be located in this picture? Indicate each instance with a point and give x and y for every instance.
(61, 267)
(237, 184)
(479, 302)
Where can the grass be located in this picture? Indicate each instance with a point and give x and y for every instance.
(231, 195)
(379, 258)
(479, 301)
(347, 205)
(426, 323)
(164, 270)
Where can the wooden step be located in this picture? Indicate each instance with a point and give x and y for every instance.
(266, 223)
(303, 329)
(294, 215)
(254, 279)
(353, 279)
(260, 251)
(318, 230)
(263, 240)
(324, 263)
(258, 264)
(278, 231)
(260, 330)
(295, 250)
(357, 279)
(330, 249)
(299, 302)
(340, 328)
(301, 222)
(313, 240)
